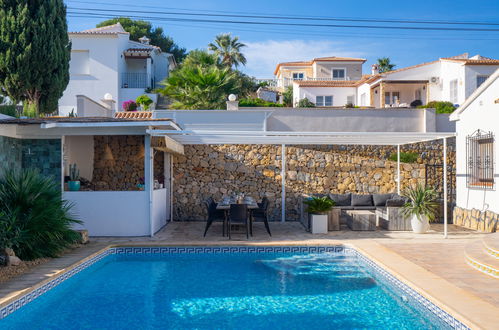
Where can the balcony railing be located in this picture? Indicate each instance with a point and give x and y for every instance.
(136, 80)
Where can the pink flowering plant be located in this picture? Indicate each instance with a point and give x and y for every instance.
(129, 105)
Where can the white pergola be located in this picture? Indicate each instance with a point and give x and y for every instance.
(284, 138)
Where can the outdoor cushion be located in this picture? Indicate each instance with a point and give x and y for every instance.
(395, 202)
(380, 199)
(341, 199)
(362, 200)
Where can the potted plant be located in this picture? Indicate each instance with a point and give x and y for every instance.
(421, 207)
(318, 207)
(74, 178)
(129, 105)
(144, 101)
(141, 185)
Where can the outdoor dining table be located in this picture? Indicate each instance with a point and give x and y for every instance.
(226, 207)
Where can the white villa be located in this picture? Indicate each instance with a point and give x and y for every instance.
(477, 126)
(105, 61)
(338, 81)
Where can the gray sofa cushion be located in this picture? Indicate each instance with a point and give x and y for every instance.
(341, 199)
(396, 202)
(380, 199)
(362, 200)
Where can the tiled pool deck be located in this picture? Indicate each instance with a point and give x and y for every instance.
(427, 262)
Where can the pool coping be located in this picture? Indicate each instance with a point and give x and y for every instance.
(459, 304)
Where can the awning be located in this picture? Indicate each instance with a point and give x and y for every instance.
(300, 138)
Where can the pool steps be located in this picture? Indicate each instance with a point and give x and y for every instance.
(483, 255)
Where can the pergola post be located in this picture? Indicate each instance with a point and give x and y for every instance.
(148, 178)
(445, 186)
(398, 169)
(283, 183)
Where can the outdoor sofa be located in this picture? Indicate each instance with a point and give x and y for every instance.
(386, 207)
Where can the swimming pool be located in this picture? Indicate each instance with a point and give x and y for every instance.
(226, 288)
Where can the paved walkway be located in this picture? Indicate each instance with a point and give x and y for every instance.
(433, 264)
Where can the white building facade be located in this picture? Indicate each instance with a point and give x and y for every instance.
(341, 82)
(477, 128)
(105, 61)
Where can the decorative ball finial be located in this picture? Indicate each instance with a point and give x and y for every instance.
(232, 97)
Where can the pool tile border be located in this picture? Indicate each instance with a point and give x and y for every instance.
(426, 303)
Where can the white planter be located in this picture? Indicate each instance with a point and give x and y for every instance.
(319, 223)
(420, 225)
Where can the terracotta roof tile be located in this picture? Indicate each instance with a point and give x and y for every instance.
(133, 115)
(468, 61)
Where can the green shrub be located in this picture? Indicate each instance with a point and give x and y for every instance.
(144, 100)
(440, 106)
(319, 205)
(306, 103)
(9, 110)
(405, 157)
(287, 96)
(36, 221)
(257, 103)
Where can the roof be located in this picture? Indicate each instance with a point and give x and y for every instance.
(455, 115)
(133, 114)
(319, 59)
(299, 138)
(468, 61)
(79, 120)
(104, 30)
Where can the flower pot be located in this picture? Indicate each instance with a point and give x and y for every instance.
(74, 185)
(420, 225)
(318, 223)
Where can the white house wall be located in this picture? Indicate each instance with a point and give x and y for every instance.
(102, 77)
(79, 150)
(471, 73)
(339, 94)
(481, 114)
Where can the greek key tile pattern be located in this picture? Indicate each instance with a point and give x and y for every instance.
(427, 304)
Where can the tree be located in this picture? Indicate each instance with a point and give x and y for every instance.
(139, 28)
(385, 65)
(228, 50)
(195, 85)
(34, 52)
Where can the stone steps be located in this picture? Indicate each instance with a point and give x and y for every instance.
(491, 244)
(483, 255)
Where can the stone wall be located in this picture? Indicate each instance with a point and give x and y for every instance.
(475, 219)
(41, 154)
(119, 163)
(218, 170)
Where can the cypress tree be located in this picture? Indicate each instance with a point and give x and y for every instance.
(34, 52)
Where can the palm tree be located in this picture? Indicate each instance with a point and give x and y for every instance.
(384, 64)
(228, 50)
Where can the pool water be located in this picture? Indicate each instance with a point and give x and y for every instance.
(224, 291)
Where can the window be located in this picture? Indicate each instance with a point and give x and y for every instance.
(480, 158)
(79, 63)
(298, 76)
(324, 101)
(339, 74)
(480, 80)
(392, 97)
(453, 91)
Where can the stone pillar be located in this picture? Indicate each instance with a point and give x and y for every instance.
(382, 95)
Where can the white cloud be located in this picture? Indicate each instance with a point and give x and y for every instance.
(263, 56)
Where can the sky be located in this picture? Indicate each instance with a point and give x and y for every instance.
(267, 45)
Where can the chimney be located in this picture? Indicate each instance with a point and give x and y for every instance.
(144, 40)
(374, 69)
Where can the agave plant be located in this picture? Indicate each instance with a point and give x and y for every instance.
(422, 202)
(319, 205)
(37, 220)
